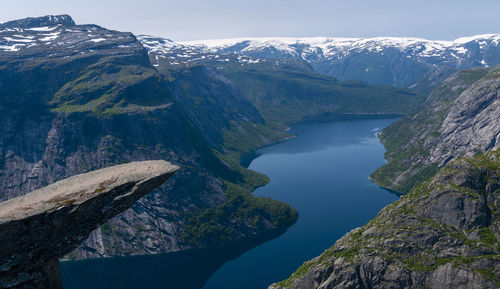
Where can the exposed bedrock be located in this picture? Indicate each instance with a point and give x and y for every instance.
(38, 228)
(445, 234)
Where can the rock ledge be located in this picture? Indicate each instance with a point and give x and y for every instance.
(38, 228)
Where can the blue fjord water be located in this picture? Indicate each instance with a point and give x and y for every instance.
(323, 173)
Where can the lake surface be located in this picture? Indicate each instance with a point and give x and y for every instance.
(323, 173)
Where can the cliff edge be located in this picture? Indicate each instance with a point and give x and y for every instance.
(38, 228)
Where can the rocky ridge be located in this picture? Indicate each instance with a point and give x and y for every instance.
(44, 225)
(31, 36)
(459, 118)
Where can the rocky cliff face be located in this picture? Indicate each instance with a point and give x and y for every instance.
(38, 228)
(80, 97)
(459, 118)
(444, 234)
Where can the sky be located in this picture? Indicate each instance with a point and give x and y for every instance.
(212, 19)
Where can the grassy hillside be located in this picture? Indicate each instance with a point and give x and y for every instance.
(288, 92)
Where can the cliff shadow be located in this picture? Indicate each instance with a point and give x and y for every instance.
(179, 270)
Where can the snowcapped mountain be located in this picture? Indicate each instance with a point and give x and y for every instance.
(382, 60)
(60, 36)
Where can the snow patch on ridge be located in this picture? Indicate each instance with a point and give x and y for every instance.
(317, 48)
(44, 28)
(96, 40)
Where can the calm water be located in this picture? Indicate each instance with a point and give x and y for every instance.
(323, 173)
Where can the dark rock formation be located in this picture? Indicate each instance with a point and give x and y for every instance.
(444, 235)
(38, 228)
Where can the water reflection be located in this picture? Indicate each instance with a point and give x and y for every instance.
(182, 270)
(312, 137)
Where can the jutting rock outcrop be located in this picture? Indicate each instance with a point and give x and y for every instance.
(38, 228)
(444, 234)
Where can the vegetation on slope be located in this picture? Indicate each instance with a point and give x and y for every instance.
(289, 92)
(110, 87)
(216, 225)
(214, 98)
(408, 141)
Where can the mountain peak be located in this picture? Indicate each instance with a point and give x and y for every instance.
(49, 20)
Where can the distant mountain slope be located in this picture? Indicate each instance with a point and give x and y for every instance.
(381, 60)
(460, 117)
(290, 90)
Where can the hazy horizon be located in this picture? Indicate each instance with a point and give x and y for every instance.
(220, 19)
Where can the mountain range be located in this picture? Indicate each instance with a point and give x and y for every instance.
(382, 60)
(76, 98)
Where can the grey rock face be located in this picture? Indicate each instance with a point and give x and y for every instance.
(460, 118)
(38, 228)
(473, 123)
(444, 234)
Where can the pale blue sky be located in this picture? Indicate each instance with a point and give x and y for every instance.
(207, 19)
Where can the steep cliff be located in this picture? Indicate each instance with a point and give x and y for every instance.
(460, 117)
(80, 97)
(38, 228)
(443, 234)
